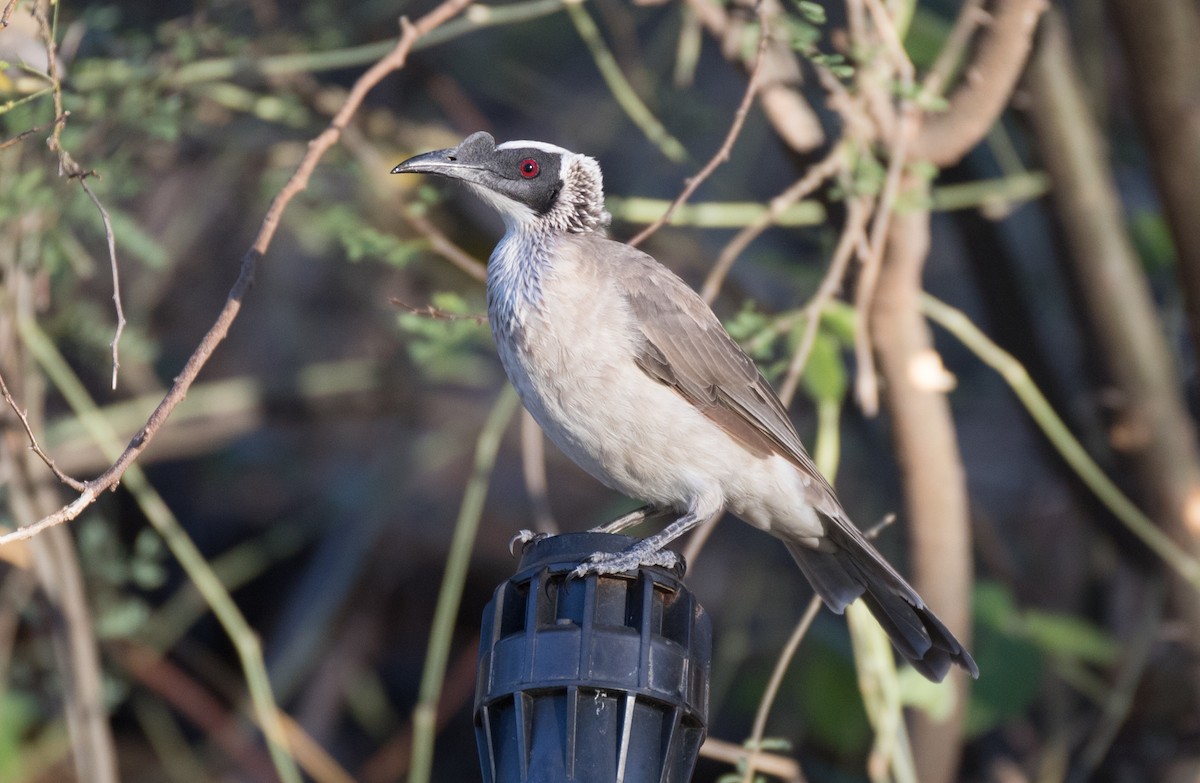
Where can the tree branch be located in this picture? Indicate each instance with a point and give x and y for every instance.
(395, 60)
(722, 154)
(987, 85)
(782, 101)
(1159, 41)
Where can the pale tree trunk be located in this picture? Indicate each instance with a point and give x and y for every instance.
(935, 490)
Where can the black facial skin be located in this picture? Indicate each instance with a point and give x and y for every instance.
(477, 161)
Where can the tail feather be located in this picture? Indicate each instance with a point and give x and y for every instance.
(855, 569)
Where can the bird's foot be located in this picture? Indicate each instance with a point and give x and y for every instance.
(524, 537)
(640, 554)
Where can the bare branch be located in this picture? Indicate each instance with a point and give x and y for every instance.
(429, 311)
(852, 235)
(20, 137)
(782, 101)
(866, 382)
(74, 484)
(772, 764)
(811, 180)
(781, 665)
(987, 85)
(442, 245)
(970, 16)
(7, 13)
(116, 277)
(394, 60)
(735, 129)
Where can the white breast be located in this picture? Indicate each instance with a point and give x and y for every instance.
(567, 341)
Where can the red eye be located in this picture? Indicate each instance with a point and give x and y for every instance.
(529, 168)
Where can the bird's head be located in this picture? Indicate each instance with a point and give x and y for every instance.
(530, 183)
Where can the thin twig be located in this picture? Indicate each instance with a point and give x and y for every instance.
(696, 543)
(369, 157)
(437, 314)
(68, 167)
(66, 164)
(754, 743)
(9, 7)
(812, 179)
(867, 381)
(233, 303)
(735, 130)
(116, 278)
(891, 41)
(783, 101)
(858, 211)
(970, 16)
(773, 764)
(26, 134)
(74, 484)
(442, 245)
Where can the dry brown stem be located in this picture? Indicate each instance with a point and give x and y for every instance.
(74, 484)
(442, 245)
(20, 137)
(812, 179)
(858, 211)
(987, 84)
(7, 13)
(437, 314)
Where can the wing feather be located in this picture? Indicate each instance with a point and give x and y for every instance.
(686, 347)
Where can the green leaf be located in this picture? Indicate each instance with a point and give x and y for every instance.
(830, 700)
(1152, 238)
(17, 713)
(825, 374)
(813, 12)
(1010, 660)
(122, 619)
(1074, 637)
(447, 349)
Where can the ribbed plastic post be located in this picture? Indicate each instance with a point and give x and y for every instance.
(594, 679)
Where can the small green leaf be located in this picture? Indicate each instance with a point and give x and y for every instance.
(813, 12)
(122, 620)
(1062, 634)
(825, 375)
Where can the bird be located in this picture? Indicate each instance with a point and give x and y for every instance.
(631, 374)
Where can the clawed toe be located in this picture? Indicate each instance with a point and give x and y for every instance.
(524, 537)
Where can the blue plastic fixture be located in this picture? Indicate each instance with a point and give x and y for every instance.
(594, 679)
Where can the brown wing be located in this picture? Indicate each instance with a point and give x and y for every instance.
(687, 348)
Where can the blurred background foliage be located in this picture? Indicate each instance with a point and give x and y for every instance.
(320, 460)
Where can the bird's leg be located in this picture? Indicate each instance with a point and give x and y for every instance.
(637, 516)
(649, 551)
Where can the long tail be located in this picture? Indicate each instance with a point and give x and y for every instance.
(853, 569)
